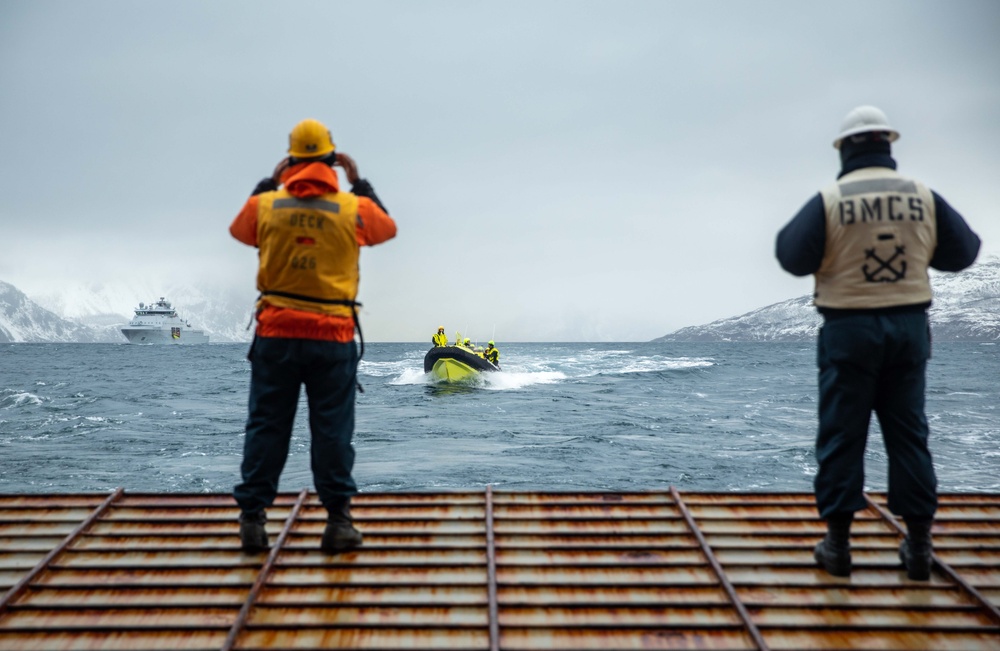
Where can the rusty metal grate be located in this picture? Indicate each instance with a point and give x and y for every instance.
(488, 570)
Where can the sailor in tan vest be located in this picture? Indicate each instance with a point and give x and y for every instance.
(868, 240)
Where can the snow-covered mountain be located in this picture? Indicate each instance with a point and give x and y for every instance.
(22, 320)
(82, 312)
(966, 306)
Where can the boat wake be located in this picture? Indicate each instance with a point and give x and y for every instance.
(533, 370)
(503, 381)
(507, 380)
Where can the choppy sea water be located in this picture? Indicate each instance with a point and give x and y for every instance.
(627, 416)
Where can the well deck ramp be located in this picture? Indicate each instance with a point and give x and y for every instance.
(488, 570)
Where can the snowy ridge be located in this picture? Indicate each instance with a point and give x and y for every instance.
(792, 320)
(21, 320)
(966, 307)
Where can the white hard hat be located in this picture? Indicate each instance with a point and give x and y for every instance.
(862, 120)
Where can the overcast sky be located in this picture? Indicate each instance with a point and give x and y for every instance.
(559, 171)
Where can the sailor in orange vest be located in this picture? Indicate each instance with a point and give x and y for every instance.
(309, 235)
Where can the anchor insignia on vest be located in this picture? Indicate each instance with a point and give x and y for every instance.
(893, 274)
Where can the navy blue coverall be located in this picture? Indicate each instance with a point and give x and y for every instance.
(873, 360)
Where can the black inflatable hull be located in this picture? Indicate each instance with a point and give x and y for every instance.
(454, 363)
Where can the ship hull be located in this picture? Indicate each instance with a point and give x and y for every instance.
(170, 336)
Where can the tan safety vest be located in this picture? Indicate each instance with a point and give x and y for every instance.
(881, 233)
(308, 252)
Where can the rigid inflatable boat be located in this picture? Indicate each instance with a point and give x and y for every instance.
(454, 363)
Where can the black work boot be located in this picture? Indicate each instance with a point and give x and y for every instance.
(833, 553)
(253, 535)
(915, 550)
(340, 534)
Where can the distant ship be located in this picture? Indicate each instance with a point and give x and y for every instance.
(158, 323)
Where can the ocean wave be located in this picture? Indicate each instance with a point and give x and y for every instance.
(653, 365)
(388, 369)
(410, 376)
(10, 398)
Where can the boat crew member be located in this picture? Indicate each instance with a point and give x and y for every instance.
(868, 240)
(440, 338)
(492, 354)
(309, 234)
(467, 343)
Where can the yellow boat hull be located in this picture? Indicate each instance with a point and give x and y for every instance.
(452, 370)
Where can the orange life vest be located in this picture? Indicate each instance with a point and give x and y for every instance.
(308, 252)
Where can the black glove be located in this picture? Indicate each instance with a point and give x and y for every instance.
(265, 185)
(363, 188)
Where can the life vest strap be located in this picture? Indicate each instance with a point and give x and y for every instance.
(354, 305)
(311, 299)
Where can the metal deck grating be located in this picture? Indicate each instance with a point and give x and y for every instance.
(488, 570)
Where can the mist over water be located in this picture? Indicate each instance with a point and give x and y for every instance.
(626, 416)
